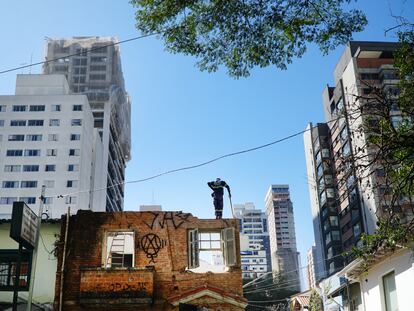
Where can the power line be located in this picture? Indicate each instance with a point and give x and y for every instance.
(200, 164)
(264, 301)
(291, 271)
(191, 166)
(272, 287)
(277, 285)
(79, 53)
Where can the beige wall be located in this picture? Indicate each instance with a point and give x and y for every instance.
(44, 287)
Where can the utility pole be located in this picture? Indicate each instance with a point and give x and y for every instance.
(17, 278)
(35, 250)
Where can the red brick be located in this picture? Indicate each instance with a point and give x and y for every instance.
(167, 278)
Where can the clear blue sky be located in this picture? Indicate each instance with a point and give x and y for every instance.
(181, 116)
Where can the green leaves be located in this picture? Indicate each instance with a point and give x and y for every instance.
(243, 34)
(315, 301)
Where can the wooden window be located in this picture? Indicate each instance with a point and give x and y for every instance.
(193, 251)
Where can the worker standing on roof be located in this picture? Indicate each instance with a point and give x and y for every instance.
(218, 192)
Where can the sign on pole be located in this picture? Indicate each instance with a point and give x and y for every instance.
(24, 225)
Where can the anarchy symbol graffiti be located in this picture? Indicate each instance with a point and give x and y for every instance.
(151, 244)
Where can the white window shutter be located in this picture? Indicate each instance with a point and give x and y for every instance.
(196, 251)
(193, 255)
(229, 246)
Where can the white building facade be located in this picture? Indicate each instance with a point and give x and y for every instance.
(94, 69)
(47, 138)
(254, 237)
(384, 283)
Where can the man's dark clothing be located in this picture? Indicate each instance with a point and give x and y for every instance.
(218, 192)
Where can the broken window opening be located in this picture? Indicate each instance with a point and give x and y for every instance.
(211, 250)
(119, 249)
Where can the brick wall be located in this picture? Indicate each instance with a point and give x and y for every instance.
(165, 272)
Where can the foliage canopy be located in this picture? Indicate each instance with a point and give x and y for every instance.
(243, 34)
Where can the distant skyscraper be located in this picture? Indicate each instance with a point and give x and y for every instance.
(47, 138)
(312, 271)
(255, 255)
(285, 257)
(344, 203)
(96, 71)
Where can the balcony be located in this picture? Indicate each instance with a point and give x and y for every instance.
(119, 286)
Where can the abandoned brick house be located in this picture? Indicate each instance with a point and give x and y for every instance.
(148, 261)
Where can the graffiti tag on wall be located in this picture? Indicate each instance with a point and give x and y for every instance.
(151, 244)
(176, 218)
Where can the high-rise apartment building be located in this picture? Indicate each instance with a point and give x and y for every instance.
(47, 138)
(343, 200)
(255, 252)
(92, 66)
(312, 271)
(284, 254)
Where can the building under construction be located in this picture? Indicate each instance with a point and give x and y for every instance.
(92, 66)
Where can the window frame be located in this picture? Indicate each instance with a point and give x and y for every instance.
(227, 246)
(71, 200)
(15, 137)
(14, 152)
(51, 152)
(37, 108)
(10, 184)
(75, 137)
(76, 152)
(383, 289)
(193, 251)
(106, 252)
(9, 257)
(28, 184)
(8, 168)
(53, 137)
(18, 122)
(19, 108)
(72, 183)
(49, 166)
(35, 122)
(54, 122)
(34, 137)
(76, 122)
(55, 108)
(77, 107)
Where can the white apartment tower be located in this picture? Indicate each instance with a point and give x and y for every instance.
(47, 138)
(254, 241)
(284, 255)
(92, 66)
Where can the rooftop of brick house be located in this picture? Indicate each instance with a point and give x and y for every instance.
(149, 259)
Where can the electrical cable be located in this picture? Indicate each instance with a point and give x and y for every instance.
(291, 271)
(44, 245)
(79, 53)
(276, 285)
(265, 301)
(200, 164)
(191, 166)
(272, 287)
